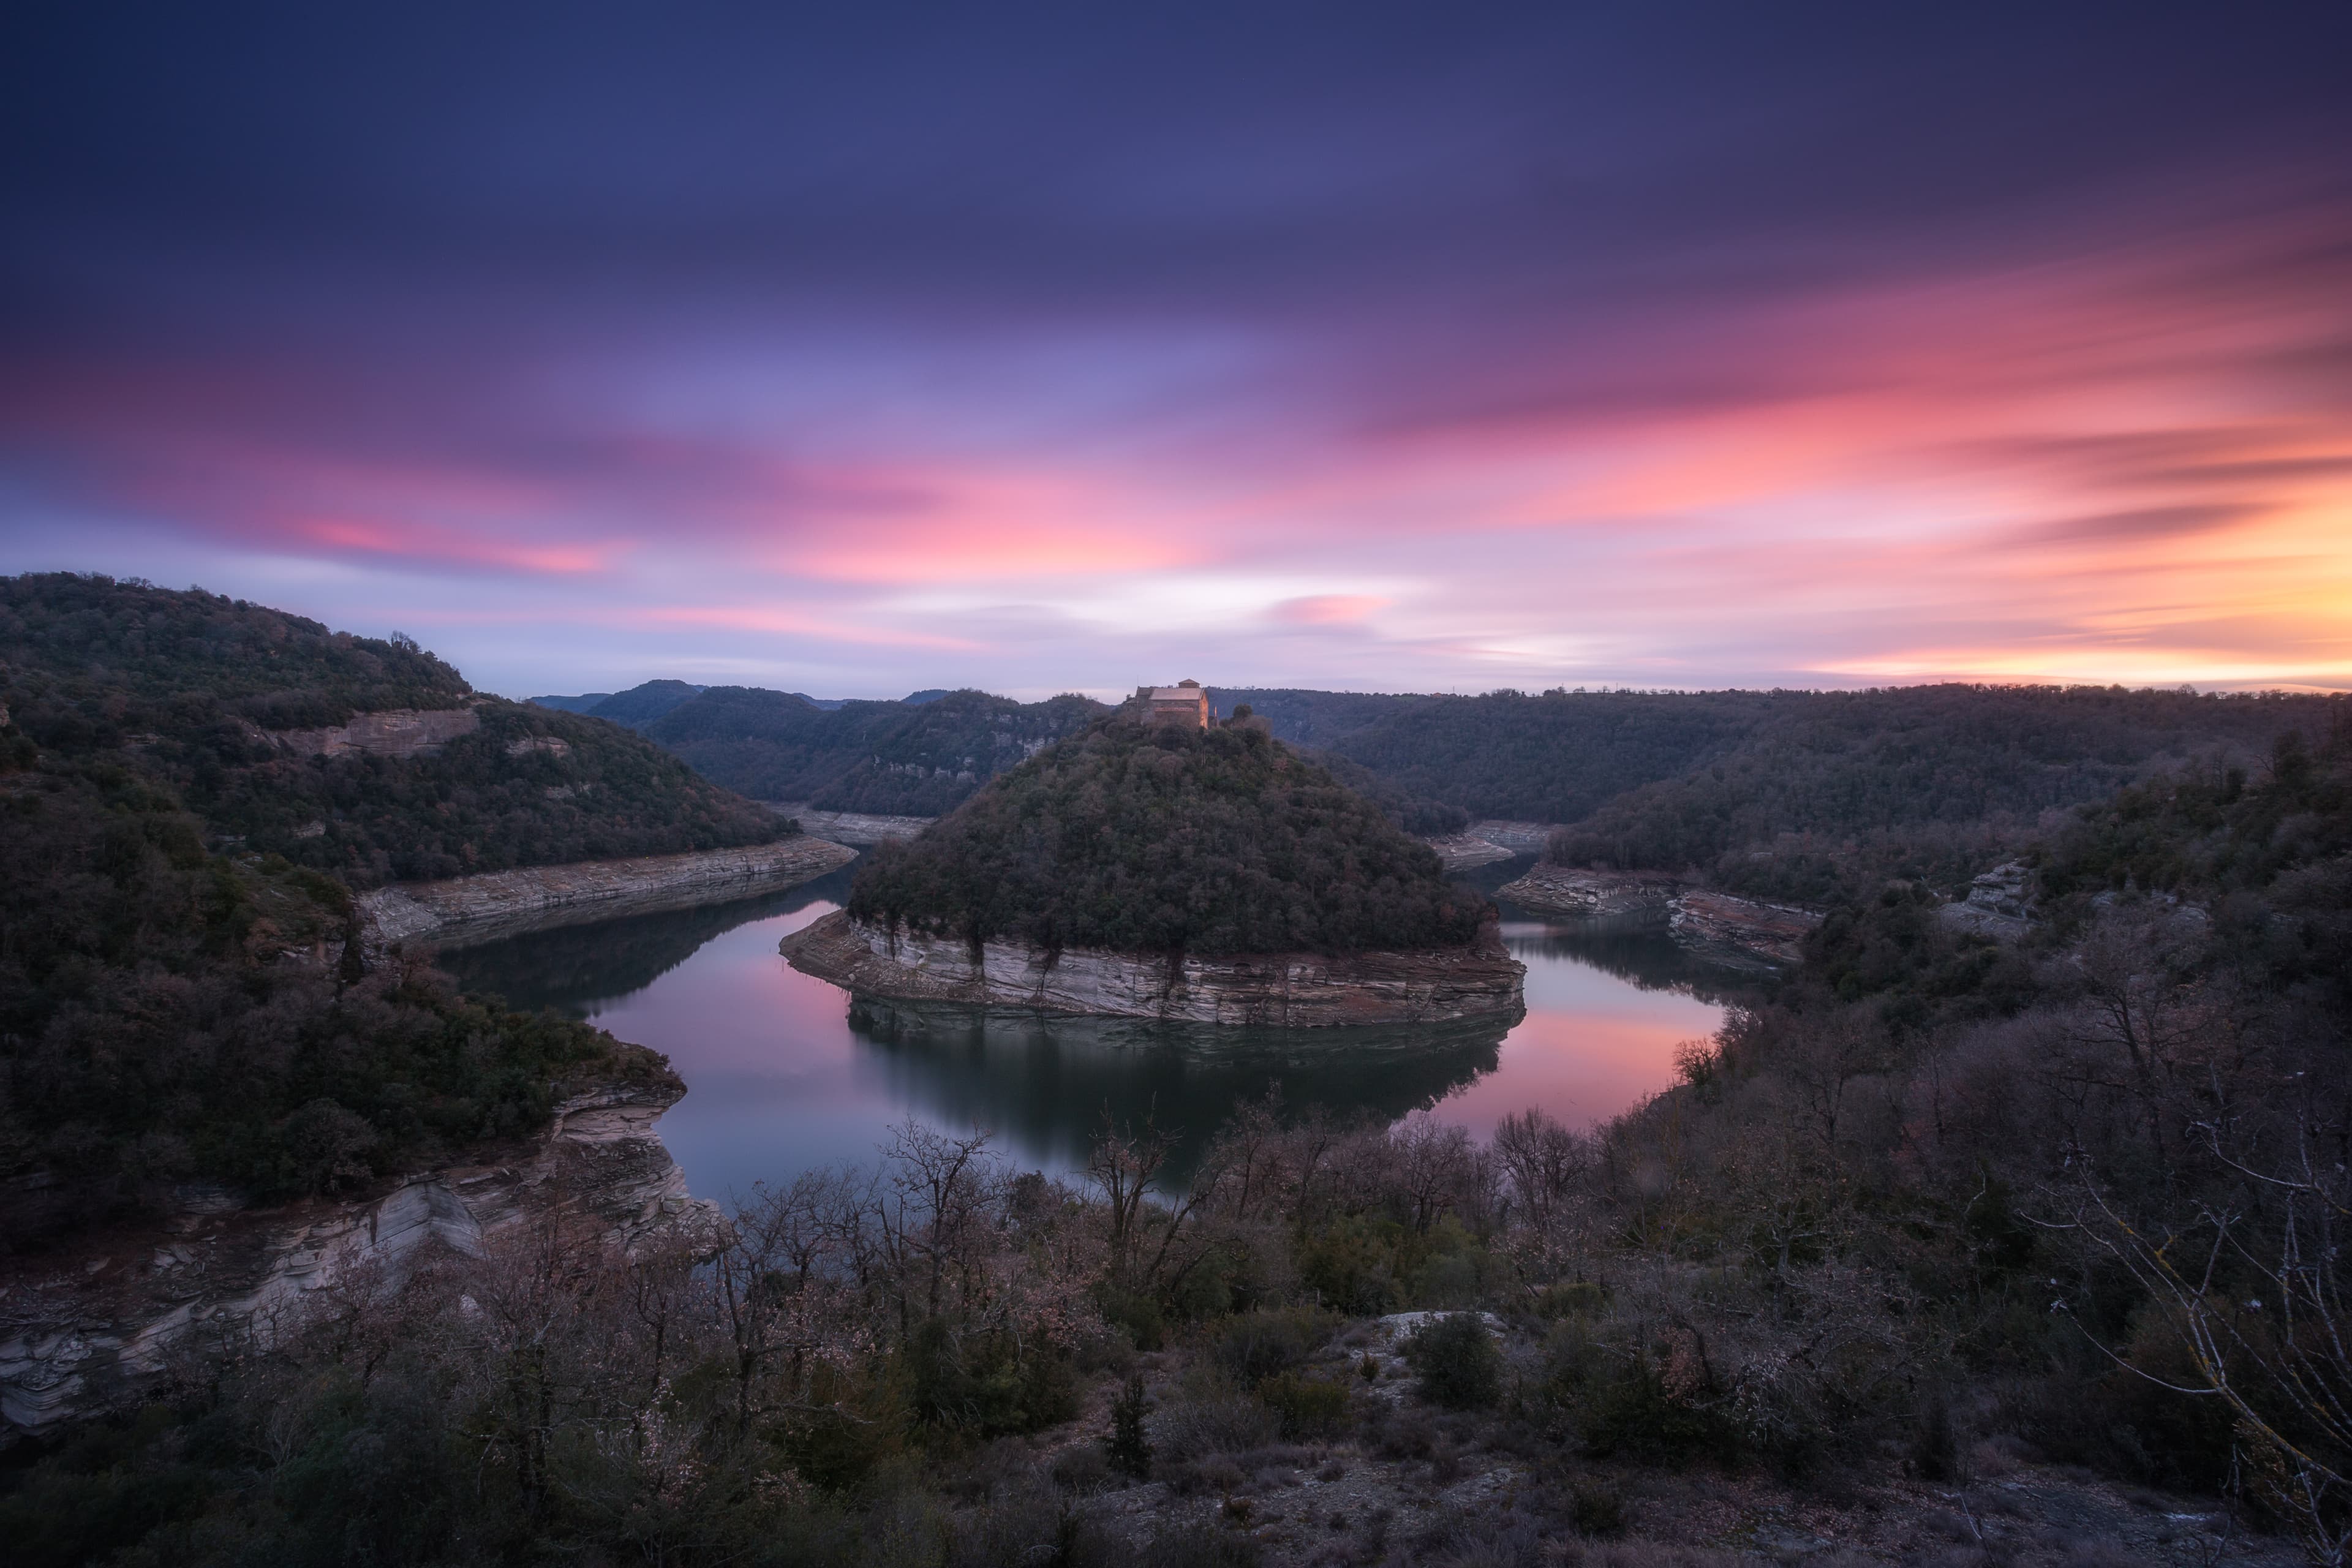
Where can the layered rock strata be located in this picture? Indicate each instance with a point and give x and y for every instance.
(1999, 903)
(1285, 990)
(1740, 933)
(396, 732)
(467, 910)
(102, 1326)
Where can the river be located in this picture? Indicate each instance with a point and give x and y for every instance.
(784, 1072)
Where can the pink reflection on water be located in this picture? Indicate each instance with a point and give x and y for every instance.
(1593, 1045)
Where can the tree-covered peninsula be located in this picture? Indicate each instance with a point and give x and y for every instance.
(1157, 839)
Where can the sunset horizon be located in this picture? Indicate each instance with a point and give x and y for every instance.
(1351, 349)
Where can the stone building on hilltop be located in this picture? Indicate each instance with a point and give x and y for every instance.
(1183, 703)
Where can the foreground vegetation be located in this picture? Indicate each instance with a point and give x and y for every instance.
(1939, 1209)
(1154, 838)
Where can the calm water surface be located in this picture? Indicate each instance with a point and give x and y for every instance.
(785, 1072)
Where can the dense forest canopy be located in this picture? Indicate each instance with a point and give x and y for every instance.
(890, 758)
(1847, 760)
(170, 1015)
(1158, 838)
(194, 692)
(181, 997)
(1801, 795)
(245, 661)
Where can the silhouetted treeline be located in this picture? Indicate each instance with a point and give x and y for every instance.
(188, 689)
(1153, 838)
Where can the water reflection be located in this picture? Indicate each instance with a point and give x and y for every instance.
(1043, 1082)
(786, 1071)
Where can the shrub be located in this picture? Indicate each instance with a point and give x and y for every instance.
(1215, 1424)
(1570, 1299)
(1255, 1346)
(1461, 1366)
(1596, 1510)
(1309, 1407)
(1129, 1450)
(1633, 1416)
(1198, 1546)
(1351, 1266)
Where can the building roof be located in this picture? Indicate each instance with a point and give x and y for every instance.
(1178, 694)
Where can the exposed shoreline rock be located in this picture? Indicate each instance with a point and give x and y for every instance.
(100, 1326)
(1287, 990)
(1742, 934)
(464, 910)
(1716, 928)
(1626, 900)
(853, 827)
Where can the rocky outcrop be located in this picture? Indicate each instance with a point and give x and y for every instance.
(467, 909)
(1740, 933)
(1459, 851)
(1628, 901)
(398, 732)
(97, 1327)
(855, 828)
(2000, 905)
(1288, 990)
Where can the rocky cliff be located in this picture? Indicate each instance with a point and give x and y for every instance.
(97, 1327)
(396, 732)
(1742, 934)
(467, 910)
(1292, 990)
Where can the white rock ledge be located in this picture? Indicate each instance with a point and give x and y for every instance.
(1280, 990)
(103, 1324)
(467, 909)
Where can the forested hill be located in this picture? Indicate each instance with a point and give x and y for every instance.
(171, 1013)
(1160, 839)
(1940, 751)
(225, 707)
(893, 758)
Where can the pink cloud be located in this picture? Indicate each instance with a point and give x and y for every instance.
(1328, 609)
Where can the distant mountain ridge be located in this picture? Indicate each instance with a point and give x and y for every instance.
(892, 759)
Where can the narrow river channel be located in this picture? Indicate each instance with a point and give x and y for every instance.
(785, 1072)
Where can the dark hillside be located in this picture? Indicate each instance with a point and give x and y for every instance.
(195, 694)
(641, 705)
(1843, 789)
(583, 703)
(1157, 839)
(1792, 760)
(894, 758)
(169, 1014)
(249, 662)
(1538, 759)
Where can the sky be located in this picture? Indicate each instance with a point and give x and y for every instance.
(858, 348)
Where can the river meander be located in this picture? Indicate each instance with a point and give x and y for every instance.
(784, 1072)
